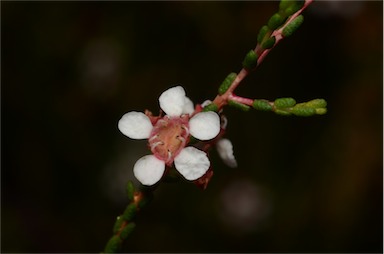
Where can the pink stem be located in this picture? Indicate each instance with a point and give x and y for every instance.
(222, 100)
(279, 33)
(241, 100)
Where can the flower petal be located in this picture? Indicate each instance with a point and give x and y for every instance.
(149, 169)
(225, 150)
(205, 125)
(188, 106)
(135, 125)
(172, 101)
(192, 163)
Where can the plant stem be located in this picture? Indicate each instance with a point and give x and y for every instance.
(222, 100)
(124, 224)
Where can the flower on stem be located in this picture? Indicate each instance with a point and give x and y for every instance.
(168, 136)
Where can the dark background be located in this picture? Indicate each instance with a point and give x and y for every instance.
(70, 70)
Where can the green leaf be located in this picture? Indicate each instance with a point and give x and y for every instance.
(267, 44)
(275, 21)
(303, 111)
(130, 190)
(321, 111)
(118, 223)
(130, 212)
(250, 60)
(262, 105)
(263, 31)
(211, 107)
(282, 112)
(284, 103)
(284, 4)
(227, 83)
(238, 105)
(294, 7)
(293, 26)
(317, 103)
(127, 230)
(113, 245)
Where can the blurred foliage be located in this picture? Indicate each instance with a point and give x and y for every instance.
(70, 70)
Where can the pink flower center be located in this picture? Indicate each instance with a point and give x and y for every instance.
(168, 137)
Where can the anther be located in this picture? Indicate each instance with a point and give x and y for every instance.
(153, 137)
(153, 146)
(185, 128)
(181, 139)
(169, 155)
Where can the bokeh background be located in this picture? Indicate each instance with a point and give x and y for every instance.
(70, 70)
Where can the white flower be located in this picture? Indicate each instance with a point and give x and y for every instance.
(168, 136)
(225, 150)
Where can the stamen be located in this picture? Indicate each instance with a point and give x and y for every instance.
(153, 146)
(169, 155)
(181, 139)
(153, 137)
(186, 129)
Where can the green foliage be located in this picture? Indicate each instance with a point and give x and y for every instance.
(275, 21)
(284, 103)
(262, 33)
(268, 43)
(113, 245)
(293, 26)
(127, 230)
(289, 7)
(129, 212)
(130, 190)
(118, 223)
(321, 111)
(238, 105)
(282, 112)
(303, 111)
(288, 106)
(262, 105)
(227, 83)
(316, 103)
(250, 60)
(284, 4)
(211, 107)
